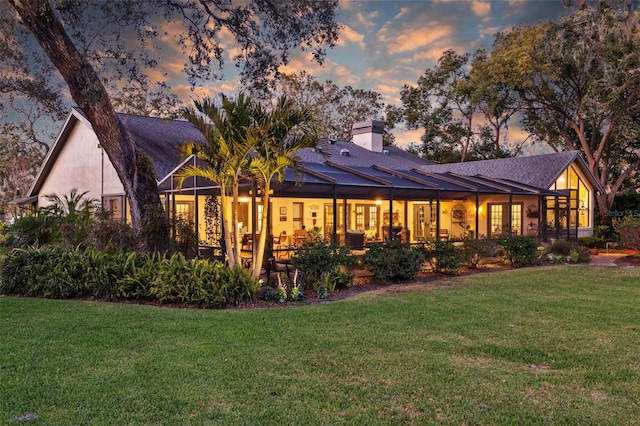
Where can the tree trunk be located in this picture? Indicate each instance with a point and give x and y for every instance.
(134, 167)
(226, 214)
(262, 243)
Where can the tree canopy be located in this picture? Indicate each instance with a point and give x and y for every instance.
(103, 50)
(335, 108)
(579, 86)
(464, 117)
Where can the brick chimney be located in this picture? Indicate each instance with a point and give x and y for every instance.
(368, 134)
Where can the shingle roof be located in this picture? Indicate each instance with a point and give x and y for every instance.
(394, 158)
(161, 139)
(540, 171)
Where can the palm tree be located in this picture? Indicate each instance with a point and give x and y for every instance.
(282, 131)
(227, 126)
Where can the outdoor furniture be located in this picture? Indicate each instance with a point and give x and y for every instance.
(355, 239)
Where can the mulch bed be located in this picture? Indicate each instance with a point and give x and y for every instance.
(631, 260)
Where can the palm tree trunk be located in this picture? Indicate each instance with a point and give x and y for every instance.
(262, 243)
(231, 259)
(236, 231)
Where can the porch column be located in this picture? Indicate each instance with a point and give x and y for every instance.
(172, 215)
(477, 216)
(345, 217)
(541, 208)
(196, 215)
(405, 224)
(557, 217)
(438, 214)
(509, 215)
(334, 236)
(390, 232)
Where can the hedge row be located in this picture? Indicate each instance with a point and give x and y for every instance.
(55, 272)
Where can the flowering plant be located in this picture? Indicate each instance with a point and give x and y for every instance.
(282, 290)
(296, 292)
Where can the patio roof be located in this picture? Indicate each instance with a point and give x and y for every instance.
(329, 179)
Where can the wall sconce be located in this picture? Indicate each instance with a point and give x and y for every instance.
(445, 211)
(479, 209)
(378, 202)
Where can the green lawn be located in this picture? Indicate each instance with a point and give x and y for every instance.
(557, 345)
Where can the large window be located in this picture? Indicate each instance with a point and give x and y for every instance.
(368, 218)
(499, 225)
(581, 199)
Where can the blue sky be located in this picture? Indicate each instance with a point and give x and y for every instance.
(386, 44)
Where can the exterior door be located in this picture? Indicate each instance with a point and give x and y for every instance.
(499, 224)
(421, 222)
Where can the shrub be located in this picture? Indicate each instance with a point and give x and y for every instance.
(592, 242)
(393, 261)
(520, 250)
(185, 237)
(629, 230)
(561, 247)
(606, 232)
(473, 251)
(111, 235)
(318, 256)
(562, 251)
(59, 273)
(444, 256)
(38, 230)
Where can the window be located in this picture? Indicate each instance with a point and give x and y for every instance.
(113, 206)
(580, 200)
(328, 217)
(367, 217)
(298, 211)
(185, 210)
(499, 225)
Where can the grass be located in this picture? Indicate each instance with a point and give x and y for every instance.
(530, 346)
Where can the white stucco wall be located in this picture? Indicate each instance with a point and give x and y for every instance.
(80, 164)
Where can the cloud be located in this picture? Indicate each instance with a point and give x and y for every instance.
(405, 137)
(349, 35)
(411, 38)
(481, 8)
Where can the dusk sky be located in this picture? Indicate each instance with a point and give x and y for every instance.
(386, 44)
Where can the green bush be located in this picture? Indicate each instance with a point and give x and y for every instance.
(475, 250)
(319, 256)
(629, 230)
(393, 261)
(606, 232)
(592, 242)
(55, 272)
(110, 235)
(38, 230)
(520, 250)
(444, 256)
(562, 251)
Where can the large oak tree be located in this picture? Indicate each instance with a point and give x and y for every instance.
(265, 32)
(579, 83)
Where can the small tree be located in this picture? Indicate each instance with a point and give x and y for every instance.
(281, 132)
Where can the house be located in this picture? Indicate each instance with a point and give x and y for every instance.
(358, 192)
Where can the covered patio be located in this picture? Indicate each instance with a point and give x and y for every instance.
(359, 206)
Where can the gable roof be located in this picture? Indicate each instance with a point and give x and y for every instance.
(159, 138)
(540, 171)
